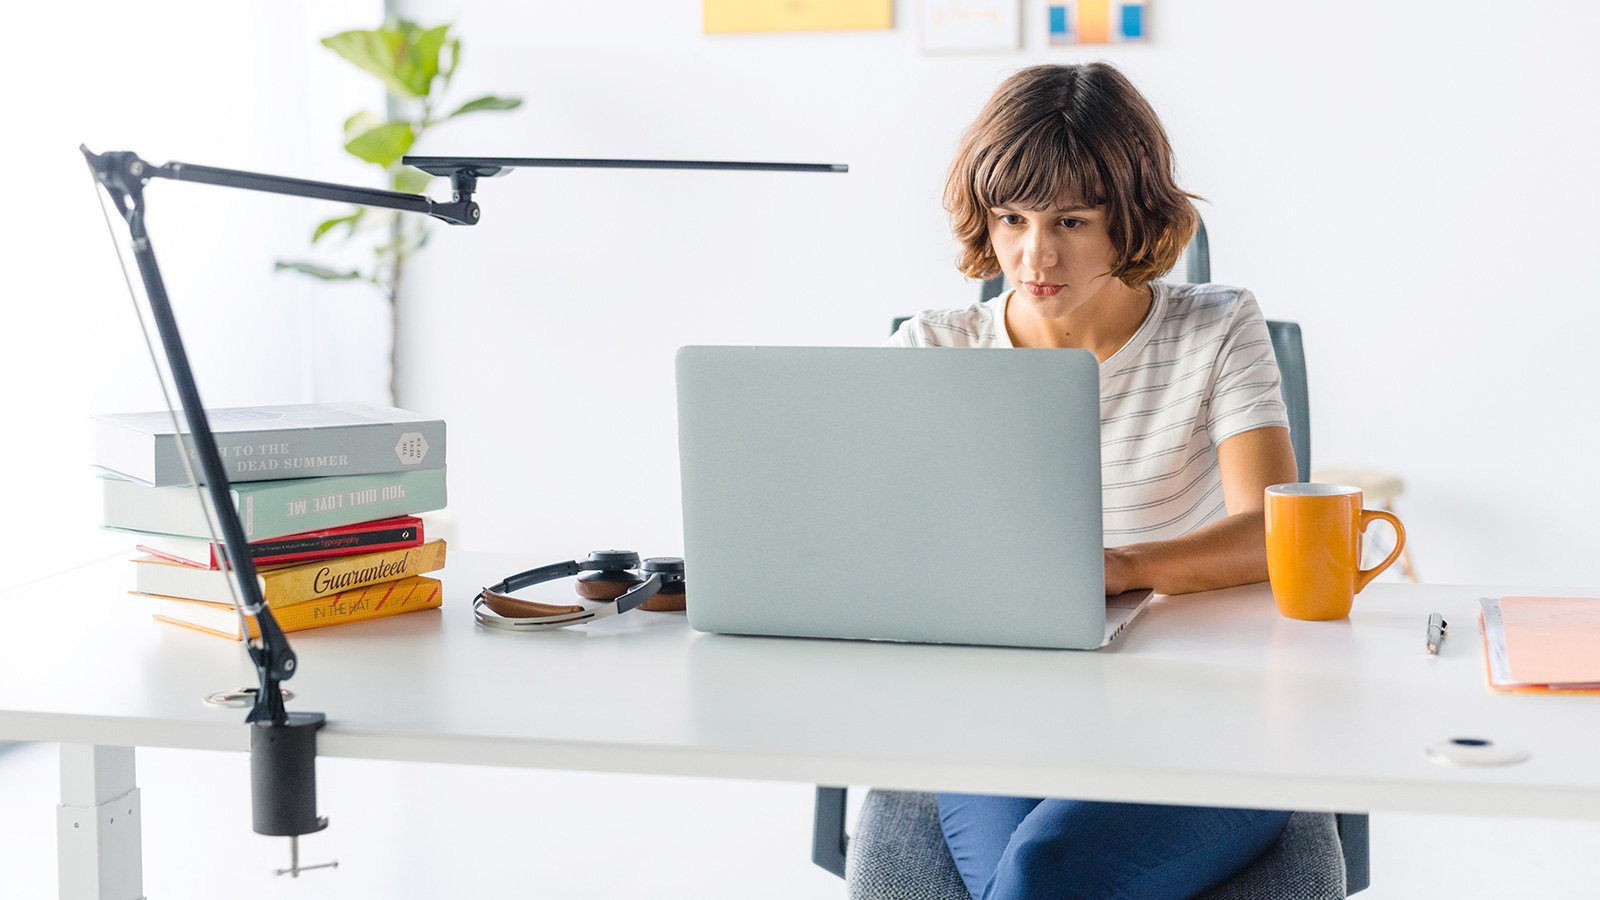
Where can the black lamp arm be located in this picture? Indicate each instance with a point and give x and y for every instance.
(123, 176)
(460, 211)
(283, 744)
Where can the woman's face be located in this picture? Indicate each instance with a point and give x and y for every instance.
(1058, 259)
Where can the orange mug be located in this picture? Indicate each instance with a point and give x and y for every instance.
(1314, 548)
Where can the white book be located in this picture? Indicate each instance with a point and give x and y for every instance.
(267, 443)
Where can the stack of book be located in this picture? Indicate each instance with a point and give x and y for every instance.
(328, 495)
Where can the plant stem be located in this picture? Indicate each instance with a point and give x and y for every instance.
(396, 270)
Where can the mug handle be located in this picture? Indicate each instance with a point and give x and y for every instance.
(1365, 576)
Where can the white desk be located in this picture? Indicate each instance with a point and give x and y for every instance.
(1210, 699)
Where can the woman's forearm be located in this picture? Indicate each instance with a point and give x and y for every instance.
(1229, 552)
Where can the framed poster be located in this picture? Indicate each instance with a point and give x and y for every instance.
(954, 26)
(1097, 21)
(745, 16)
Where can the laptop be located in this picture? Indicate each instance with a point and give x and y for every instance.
(941, 496)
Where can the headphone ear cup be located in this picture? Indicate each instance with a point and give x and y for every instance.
(606, 585)
(671, 597)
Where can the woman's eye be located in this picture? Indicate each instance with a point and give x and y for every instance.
(1010, 219)
(1072, 224)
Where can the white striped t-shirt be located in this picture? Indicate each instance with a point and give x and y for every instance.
(1199, 370)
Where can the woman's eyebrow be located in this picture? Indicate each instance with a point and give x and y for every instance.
(1077, 207)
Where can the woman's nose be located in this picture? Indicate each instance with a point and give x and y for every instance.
(1038, 251)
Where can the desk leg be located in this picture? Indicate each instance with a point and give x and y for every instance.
(98, 850)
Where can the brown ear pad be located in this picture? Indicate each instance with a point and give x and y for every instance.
(671, 599)
(606, 585)
(611, 585)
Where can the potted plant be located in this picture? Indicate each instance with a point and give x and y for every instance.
(416, 65)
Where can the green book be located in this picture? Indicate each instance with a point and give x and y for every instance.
(269, 509)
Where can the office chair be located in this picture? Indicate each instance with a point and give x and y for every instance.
(899, 853)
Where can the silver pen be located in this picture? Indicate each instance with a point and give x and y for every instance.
(1436, 632)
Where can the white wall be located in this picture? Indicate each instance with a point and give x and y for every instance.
(234, 85)
(1412, 182)
(1393, 176)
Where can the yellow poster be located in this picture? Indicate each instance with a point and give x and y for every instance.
(743, 16)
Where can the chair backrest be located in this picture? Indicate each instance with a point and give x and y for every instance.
(828, 843)
(1291, 356)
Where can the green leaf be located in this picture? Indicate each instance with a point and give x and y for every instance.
(486, 103)
(363, 121)
(383, 145)
(349, 221)
(376, 52)
(417, 62)
(410, 181)
(396, 244)
(316, 271)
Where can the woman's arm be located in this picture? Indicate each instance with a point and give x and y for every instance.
(1222, 554)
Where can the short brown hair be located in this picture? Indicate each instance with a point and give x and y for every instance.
(1071, 131)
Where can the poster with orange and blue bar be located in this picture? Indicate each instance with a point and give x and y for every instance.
(1098, 21)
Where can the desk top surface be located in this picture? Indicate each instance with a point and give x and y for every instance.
(1209, 698)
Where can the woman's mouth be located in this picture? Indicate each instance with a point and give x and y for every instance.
(1041, 289)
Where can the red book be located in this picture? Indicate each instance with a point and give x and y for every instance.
(346, 540)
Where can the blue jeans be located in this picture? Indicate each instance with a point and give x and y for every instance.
(1014, 848)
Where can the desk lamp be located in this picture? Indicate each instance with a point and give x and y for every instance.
(283, 743)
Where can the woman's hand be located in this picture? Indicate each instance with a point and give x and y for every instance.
(1119, 571)
(1227, 552)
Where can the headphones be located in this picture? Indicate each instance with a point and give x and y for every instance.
(613, 575)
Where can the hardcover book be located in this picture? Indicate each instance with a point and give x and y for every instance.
(283, 586)
(263, 443)
(379, 601)
(271, 509)
(346, 540)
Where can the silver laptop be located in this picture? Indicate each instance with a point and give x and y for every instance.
(944, 496)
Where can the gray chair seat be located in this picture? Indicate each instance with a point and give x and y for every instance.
(898, 853)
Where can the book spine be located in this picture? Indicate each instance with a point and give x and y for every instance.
(313, 581)
(330, 543)
(272, 509)
(376, 602)
(364, 449)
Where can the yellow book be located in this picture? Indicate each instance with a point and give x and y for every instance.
(291, 583)
(391, 598)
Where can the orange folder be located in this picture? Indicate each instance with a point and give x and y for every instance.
(1488, 675)
(1552, 640)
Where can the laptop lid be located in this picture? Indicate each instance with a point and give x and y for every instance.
(948, 496)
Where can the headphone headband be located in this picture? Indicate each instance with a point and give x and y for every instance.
(598, 561)
(609, 575)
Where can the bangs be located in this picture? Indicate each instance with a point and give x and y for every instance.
(1042, 165)
(1070, 135)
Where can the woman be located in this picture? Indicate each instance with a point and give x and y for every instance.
(1065, 184)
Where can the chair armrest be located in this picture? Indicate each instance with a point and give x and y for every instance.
(1357, 852)
(828, 839)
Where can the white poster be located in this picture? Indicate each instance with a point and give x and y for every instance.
(971, 25)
